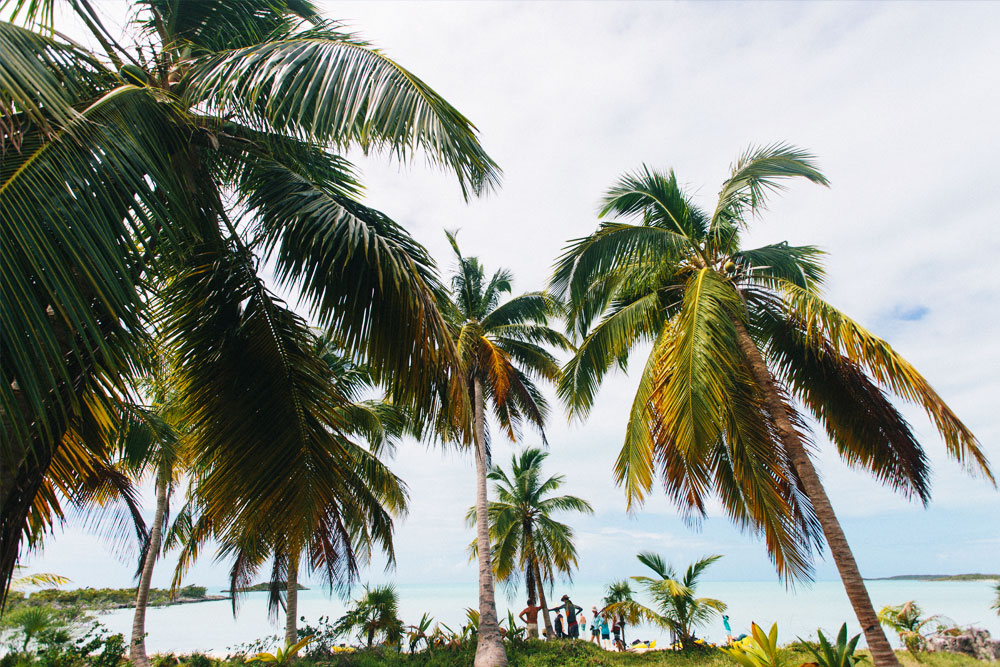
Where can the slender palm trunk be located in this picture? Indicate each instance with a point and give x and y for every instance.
(137, 649)
(292, 599)
(882, 653)
(549, 632)
(529, 585)
(489, 649)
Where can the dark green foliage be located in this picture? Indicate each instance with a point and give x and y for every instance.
(840, 654)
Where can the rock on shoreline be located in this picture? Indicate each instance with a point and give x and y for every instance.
(972, 641)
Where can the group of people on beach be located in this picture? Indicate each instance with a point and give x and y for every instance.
(571, 623)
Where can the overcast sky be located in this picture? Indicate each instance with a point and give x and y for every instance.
(899, 102)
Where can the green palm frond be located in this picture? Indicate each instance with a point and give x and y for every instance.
(289, 83)
(823, 325)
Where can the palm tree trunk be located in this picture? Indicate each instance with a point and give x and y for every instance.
(529, 584)
(137, 649)
(882, 653)
(489, 648)
(549, 632)
(292, 599)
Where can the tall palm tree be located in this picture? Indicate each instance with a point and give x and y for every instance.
(375, 615)
(333, 502)
(526, 540)
(741, 342)
(675, 606)
(500, 348)
(153, 179)
(164, 458)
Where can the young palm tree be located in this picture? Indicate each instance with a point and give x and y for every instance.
(332, 504)
(375, 615)
(526, 540)
(675, 606)
(188, 158)
(908, 622)
(164, 458)
(500, 347)
(741, 341)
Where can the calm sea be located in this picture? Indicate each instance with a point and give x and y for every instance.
(210, 626)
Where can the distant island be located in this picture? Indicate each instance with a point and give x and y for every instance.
(264, 587)
(938, 577)
(101, 599)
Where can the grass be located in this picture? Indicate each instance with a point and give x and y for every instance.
(580, 654)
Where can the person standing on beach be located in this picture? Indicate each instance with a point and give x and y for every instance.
(559, 625)
(530, 617)
(729, 630)
(573, 626)
(595, 627)
(605, 633)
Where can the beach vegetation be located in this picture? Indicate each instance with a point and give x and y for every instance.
(840, 654)
(743, 346)
(282, 655)
(761, 650)
(909, 623)
(190, 154)
(373, 618)
(529, 544)
(674, 605)
(502, 347)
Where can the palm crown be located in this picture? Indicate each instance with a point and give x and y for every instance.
(526, 539)
(142, 187)
(680, 279)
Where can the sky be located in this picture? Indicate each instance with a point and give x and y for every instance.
(898, 101)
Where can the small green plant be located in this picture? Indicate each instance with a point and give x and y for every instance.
(282, 656)
(839, 655)
(763, 651)
(908, 622)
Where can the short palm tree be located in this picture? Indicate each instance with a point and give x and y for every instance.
(332, 504)
(373, 617)
(153, 179)
(741, 341)
(908, 622)
(674, 605)
(527, 541)
(500, 349)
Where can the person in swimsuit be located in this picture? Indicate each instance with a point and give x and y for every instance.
(619, 632)
(530, 617)
(595, 627)
(573, 626)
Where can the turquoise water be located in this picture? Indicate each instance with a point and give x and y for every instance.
(210, 626)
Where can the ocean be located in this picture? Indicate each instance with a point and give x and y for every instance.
(210, 627)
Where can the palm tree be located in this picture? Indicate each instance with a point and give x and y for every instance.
(333, 503)
(187, 159)
(675, 606)
(373, 616)
(500, 347)
(907, 621)
(526, 539)
(164, 457)
(741, 341)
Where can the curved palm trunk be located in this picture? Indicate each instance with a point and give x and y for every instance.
(529, 585)
(137, 648)
(549, 632)
(489, 648)
(882, 653)
(292, 599)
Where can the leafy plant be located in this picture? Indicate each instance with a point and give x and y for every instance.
(907, 621)
(674, 605)
(418, 633)
(839, 655)
(281, 656)
(762, 652)
(374, 615)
